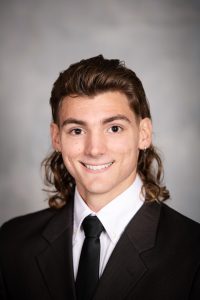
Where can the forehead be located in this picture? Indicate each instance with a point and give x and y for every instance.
(95, 107)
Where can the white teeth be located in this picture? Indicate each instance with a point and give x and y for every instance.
(100, 167)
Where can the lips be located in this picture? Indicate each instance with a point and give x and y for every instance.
(97, 167)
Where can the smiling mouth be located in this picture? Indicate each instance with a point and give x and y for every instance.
(97, 167)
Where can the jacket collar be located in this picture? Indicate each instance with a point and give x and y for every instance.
(55, 261)
(142, 229)
(59, 223)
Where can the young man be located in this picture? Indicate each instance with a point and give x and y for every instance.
(107, 233)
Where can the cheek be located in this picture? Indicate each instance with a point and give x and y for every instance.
(126, 146)
(70, 149)
(70, 153)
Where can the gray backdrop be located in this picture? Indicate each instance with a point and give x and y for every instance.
(159, 39)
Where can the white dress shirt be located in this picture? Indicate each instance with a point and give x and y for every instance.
(114, 216)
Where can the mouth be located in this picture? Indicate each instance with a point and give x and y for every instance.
(97, 167)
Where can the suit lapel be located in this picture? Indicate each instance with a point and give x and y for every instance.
(55, 262)
(125, 266)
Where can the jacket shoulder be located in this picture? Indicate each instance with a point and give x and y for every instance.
(179, 225)
(174, 214)
(26, 224)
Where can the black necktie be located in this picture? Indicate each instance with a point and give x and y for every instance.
(88, 269)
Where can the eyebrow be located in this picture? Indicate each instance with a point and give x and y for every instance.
(104, 121)
(116, 118)
(73, 121)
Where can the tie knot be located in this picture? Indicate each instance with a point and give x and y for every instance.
(92, 226)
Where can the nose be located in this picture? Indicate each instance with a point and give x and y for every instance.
(95, 144)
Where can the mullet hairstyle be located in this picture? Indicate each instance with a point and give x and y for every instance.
(90, 77)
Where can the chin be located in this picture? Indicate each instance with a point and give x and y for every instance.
(96, 189)
(103, 190)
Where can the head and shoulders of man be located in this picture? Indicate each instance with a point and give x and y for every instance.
(101, 134)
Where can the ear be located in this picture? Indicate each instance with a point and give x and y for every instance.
(55, 137)
(145, 133)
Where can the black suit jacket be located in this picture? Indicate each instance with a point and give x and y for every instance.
(156, 258)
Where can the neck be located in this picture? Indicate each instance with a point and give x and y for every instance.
(96, 202)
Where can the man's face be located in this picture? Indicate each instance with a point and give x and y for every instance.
(99, 138)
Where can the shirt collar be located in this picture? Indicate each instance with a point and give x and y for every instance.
(81, 211)
(116, 214)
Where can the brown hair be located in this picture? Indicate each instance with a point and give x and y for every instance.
(90, 77)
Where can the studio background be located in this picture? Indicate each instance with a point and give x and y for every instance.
(158, 39)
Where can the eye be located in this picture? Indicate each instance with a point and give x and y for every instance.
(115, 129)
(76, 131)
